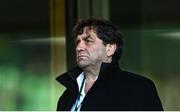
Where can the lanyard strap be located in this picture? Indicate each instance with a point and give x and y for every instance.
(79, 94)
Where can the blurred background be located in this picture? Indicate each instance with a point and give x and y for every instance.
(36, 46)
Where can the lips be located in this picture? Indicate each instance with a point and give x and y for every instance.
(82, 56)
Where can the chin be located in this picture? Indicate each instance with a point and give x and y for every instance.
(82, 64)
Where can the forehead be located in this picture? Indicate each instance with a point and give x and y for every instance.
(86, 31)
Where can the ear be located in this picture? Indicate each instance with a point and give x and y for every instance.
(110, 49)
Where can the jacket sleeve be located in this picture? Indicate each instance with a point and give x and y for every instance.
(62, 103)
(151, 100)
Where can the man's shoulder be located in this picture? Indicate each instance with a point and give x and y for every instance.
(134, 78)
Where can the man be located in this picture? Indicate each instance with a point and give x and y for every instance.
(97, 83)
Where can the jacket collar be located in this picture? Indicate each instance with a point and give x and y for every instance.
(70, 77)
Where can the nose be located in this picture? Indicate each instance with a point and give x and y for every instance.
(80, 46)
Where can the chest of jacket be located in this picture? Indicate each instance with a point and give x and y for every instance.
(109, 96)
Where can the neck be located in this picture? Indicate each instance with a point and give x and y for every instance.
(92, 72)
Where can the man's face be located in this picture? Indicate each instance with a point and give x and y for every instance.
(90, 50)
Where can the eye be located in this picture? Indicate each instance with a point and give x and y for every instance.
(88, 40)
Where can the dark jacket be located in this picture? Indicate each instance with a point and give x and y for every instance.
(113, 90)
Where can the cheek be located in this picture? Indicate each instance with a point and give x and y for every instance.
(100, 52)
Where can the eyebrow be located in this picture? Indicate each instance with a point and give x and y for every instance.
(85, 37)
(88, 36)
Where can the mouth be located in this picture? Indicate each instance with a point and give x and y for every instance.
(82, 57)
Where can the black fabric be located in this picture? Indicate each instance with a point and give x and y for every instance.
(114, 90)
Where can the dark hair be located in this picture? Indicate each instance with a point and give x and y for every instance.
(105, 31)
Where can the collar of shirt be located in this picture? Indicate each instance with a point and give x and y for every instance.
(82, 94)
(79, 82)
